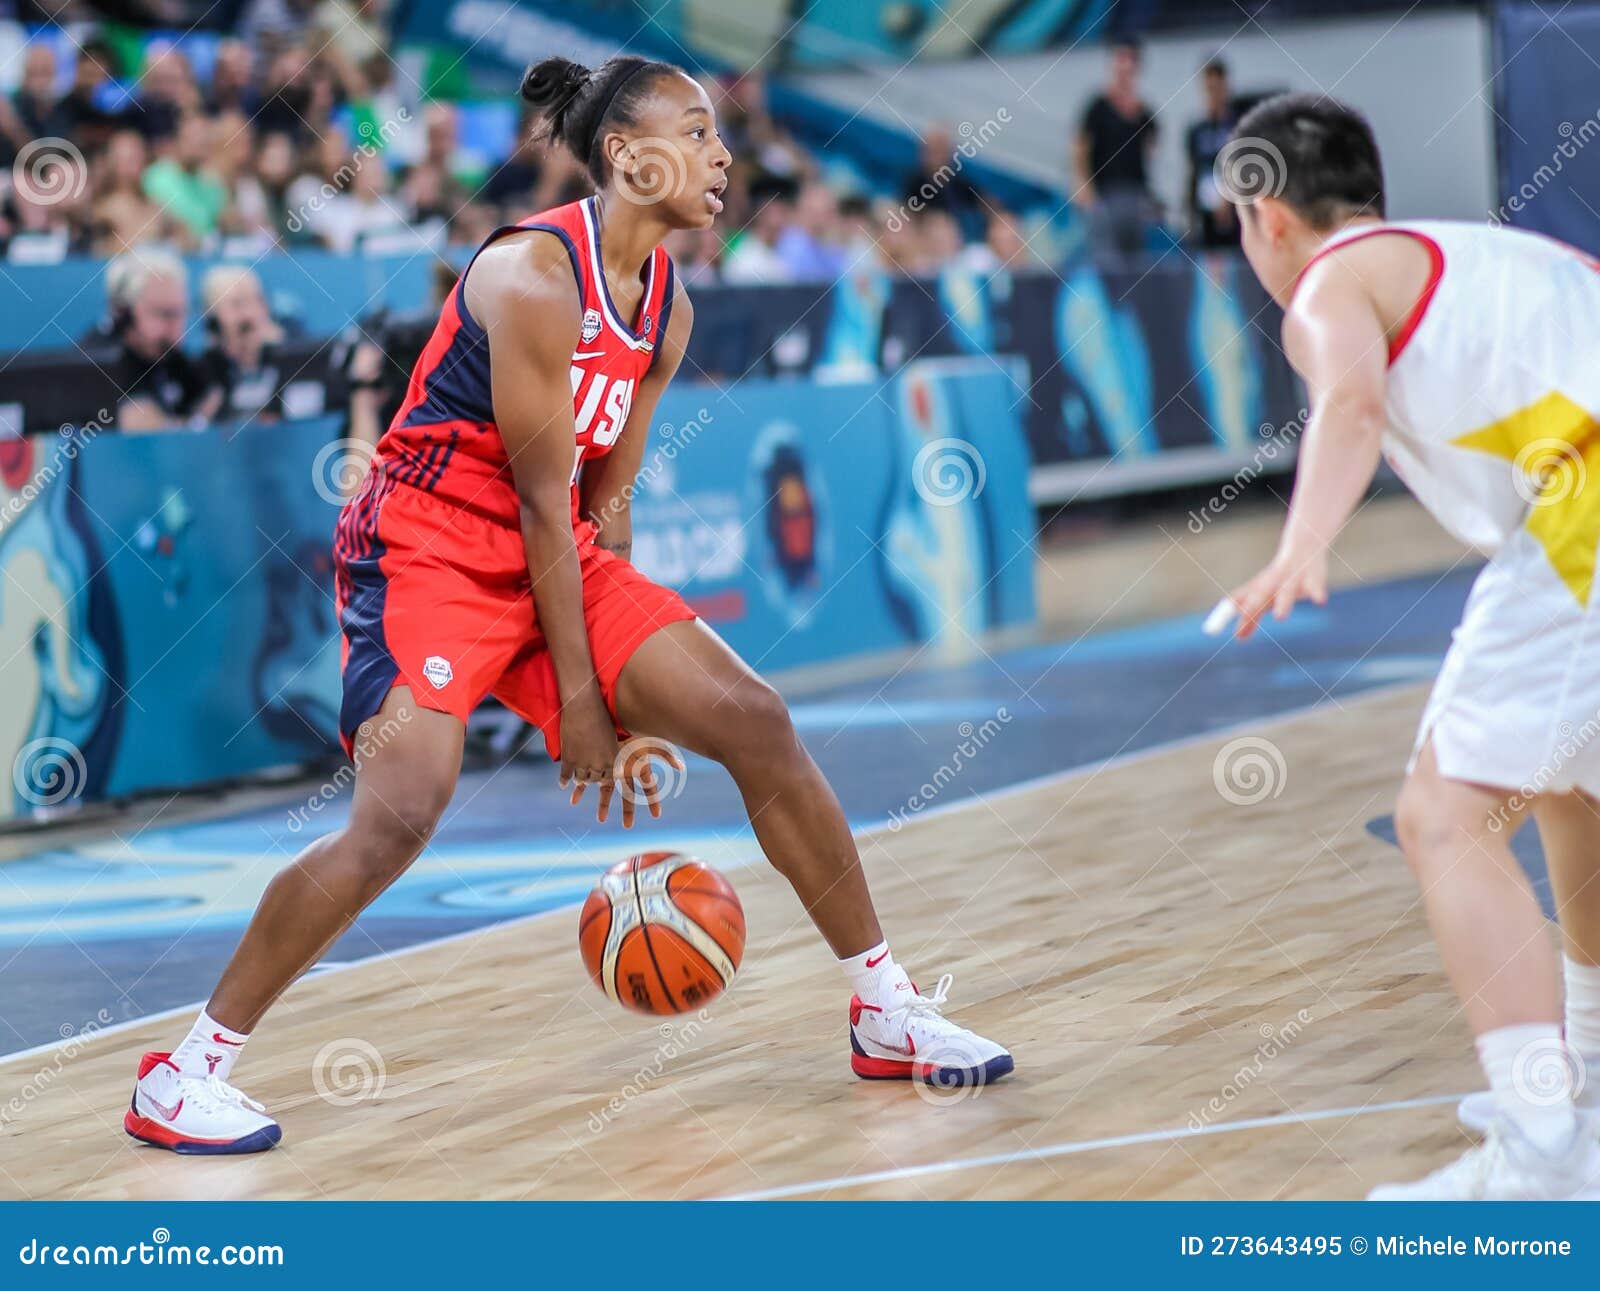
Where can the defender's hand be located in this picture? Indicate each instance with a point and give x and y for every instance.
(1278, 587)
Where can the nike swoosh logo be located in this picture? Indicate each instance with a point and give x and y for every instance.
(909, 1048)
(873, 963)
(169, 1113)
(237, 1044)
(592, 354)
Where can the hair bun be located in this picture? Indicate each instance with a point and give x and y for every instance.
(552, 83)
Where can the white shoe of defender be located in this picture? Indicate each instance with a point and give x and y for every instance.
(1476, 1113)
(1507, 1167)
(195, 1115)
(915, 1040)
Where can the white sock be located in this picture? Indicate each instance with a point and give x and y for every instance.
(1583, 1027)
(1531, 1072)
(876, 978)
(209, 1048)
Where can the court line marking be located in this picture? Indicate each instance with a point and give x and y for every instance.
(1080, 1146)
(967, 800)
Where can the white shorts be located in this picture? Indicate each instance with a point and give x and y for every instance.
(1517, 703)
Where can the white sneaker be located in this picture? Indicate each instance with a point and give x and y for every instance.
(1476, 1113)
(192, 1114)
(1507, 1167)
(915, 1040)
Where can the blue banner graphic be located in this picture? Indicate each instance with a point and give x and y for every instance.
(169, 597)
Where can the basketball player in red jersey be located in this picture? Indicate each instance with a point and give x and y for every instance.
(487, 553)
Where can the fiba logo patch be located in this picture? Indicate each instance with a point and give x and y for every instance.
(646, 325)
(437, 670)
(591, 325)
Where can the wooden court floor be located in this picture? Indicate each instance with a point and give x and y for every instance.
(1205, 999)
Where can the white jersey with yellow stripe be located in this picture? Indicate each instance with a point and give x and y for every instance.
(1494, 390)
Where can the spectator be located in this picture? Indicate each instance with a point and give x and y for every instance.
(341, 218)
(40, 110)
(292, 100)
(161, 387)
(94, 106)
(182, 184)
(938, 184)
(809, 244)
(694, 253)
(1003, 248)
(46, 216)
(1110, 157)
(511, 184)
(1213, 221)
(167, 94)
(124, 217)
(233, 80)
(752, 255)
(274, 25)
(241, 361)
(753, 137)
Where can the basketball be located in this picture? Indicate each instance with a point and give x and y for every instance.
(662, 933)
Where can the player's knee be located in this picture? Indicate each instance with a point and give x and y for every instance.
(394, 833)
(758, 721)
(1419, 827)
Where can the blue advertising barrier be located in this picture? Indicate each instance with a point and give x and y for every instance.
(169, 608)
(1546, 120)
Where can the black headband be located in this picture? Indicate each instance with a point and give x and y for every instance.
(610, 99)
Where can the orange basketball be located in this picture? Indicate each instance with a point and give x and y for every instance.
(662, 933)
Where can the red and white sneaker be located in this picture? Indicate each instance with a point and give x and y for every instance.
(916, 1041)
(199, 1115)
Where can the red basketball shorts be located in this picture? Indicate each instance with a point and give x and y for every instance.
(438, 599)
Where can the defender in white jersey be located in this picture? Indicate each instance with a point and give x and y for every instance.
(1466, 356)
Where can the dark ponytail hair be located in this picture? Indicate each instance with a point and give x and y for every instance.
(576, 106)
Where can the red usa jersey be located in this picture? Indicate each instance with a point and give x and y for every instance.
(444, 441)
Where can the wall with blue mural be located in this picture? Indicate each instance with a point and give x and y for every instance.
(168, 598)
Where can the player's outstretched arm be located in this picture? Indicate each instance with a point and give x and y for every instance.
(522, 292)
(1335, 339)
(606, 487)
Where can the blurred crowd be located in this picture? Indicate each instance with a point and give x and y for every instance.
(298, 134)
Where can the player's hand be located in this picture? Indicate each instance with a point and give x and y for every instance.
(588, 748)
(636, 777)
(1290, 578)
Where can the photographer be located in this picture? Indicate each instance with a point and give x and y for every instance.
(242, 362)
(161, 386)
